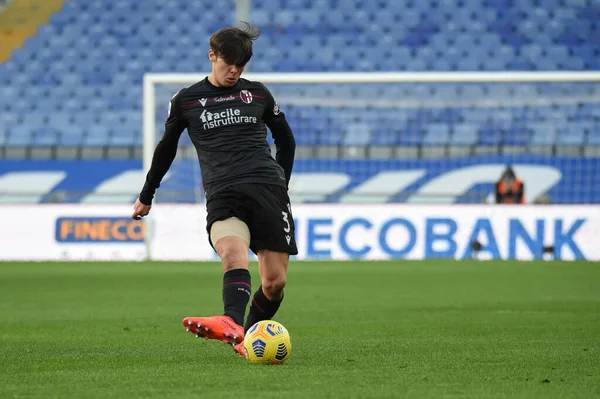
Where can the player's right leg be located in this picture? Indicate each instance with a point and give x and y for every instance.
(231, 239)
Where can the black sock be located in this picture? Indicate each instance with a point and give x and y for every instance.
(261, 308)
(236, 294)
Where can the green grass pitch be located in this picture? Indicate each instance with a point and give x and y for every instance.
(429, 329)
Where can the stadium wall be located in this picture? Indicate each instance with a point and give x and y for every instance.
(323, 231)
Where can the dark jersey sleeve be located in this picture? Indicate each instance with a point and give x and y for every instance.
(519, 194)
(285, 144)
(165, 151)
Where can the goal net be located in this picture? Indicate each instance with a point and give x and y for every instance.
(415, 137)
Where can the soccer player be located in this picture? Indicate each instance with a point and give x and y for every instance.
(247, 201)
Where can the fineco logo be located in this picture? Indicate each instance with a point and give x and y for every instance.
(99, 230)
(230, 116)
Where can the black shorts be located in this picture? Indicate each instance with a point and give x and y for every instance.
(264, 208)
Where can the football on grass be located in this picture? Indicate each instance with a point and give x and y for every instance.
(268, 342)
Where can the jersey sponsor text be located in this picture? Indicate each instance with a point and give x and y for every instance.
(230, 116)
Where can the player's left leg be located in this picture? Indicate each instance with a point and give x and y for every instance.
(272, 266)
(273, 241)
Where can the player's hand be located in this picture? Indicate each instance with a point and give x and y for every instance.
(140, 210)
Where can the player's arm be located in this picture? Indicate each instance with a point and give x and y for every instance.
(165, 151)
(285, 144)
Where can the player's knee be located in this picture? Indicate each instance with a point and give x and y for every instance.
(232, 256)
(273, 287)
(233, 260)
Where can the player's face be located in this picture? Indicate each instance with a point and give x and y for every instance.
(224, 74)
(509, 181)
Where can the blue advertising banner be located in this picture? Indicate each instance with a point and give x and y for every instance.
(566, 180)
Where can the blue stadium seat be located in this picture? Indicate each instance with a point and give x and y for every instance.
(445, 93)
(34, 121)
(585, 127)
(411, 136)
(308, 137)
(490, 134)
(19, 138)
(84, 120)
(472, 91)
(97, 135)
(436, 134)
(593, 136)
(469, 63)
(123, 140)
(542, 134)
(385, 136)
(331, 137)
(10, 120)
(571, 137)
(46, 136)
(357, 134)
(516, 136)
(70, 137)
(464, 135)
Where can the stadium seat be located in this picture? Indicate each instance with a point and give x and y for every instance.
(70, 137)
(46, 136)
(385, 138)
(516, 136)
(437, 134)
(123, 140)
(331, 137)
(490, 134)
(357, 134)
(542, 134)
(97, 135)
(19, 138)
(593, 137)
(585, 127)
(411, 136)
(571, 137)
(464, 135)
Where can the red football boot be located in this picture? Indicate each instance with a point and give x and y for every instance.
(221, 328)
(239, 348)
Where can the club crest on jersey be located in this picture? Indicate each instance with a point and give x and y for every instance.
(246, 96)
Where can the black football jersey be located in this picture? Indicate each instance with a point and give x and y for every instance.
(228, 127)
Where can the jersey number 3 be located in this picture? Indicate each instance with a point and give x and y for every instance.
(286, 220)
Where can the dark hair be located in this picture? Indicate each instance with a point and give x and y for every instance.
(509, 173)
(234, 44)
